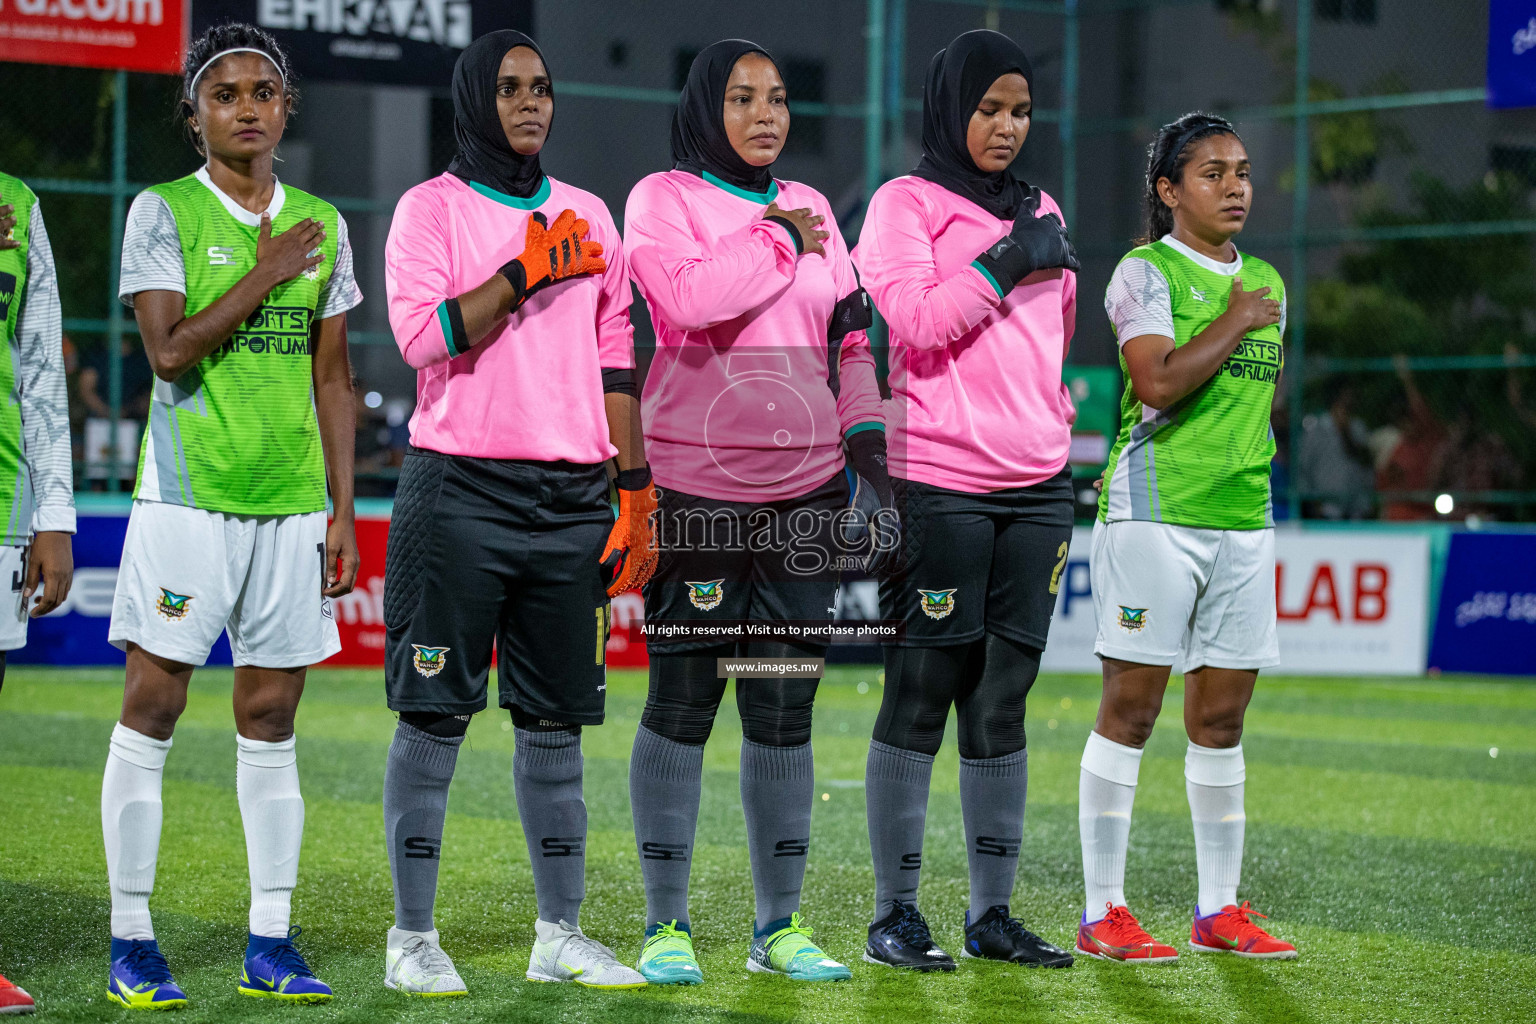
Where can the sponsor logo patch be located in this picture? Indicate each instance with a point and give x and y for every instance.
(171, 605)
(1196, 294)
(1132, 620)
(705, 596)
(937, 604)
(221, 255)
(429, 661)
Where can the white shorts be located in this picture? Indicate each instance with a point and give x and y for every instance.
(1186, 597)
(13, 610)
(187, 574)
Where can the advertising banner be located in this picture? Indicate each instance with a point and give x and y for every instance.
(76, 634)
(1487, 619)
(1349, 603)
(131, 35)
(1512, 53)
(390, 42)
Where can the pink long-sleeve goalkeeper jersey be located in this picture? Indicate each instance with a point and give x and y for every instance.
(736, 403)
(533, 389)
(977, 399)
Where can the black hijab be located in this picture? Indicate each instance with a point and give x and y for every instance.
(958, 77)
(484, 153)
(699, 142)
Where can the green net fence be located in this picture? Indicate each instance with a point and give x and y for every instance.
(1397, 205)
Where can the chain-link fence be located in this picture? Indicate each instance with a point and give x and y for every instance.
(1398, 207)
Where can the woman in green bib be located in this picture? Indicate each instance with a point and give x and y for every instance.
(1183, 560)
(240, 285)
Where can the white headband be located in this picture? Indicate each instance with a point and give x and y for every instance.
(192, 89)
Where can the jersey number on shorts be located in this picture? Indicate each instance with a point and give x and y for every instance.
(604, 616)
(1061, 560)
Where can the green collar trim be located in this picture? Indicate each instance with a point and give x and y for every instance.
(761, 198)
(533, 202)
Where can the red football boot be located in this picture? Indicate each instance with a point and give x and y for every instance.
(1119, 936)
(1230, 931)
(14, 999)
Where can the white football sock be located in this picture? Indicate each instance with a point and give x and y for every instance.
(1213, 778)
(273, 811)
(1106, 788)
(130, 826)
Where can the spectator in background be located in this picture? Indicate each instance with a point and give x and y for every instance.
(375, 460)
(95, 383)
(94, 393)
(1334, 465)
(77, 411)
(1280, 465)
(1478, 461)
(1415, 462)
(1513, 389)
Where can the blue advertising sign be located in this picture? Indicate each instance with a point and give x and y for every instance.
(76, 632)
(1512, 53)
(1487, 619)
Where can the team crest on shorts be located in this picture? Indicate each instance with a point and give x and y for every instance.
(429, 661)
(937, 604)
(172, 606)
(1132, 619)
(705, 596)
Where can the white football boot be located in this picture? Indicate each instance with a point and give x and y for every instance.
(562, 953)
(414, 963)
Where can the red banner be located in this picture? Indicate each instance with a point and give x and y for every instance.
(131, 35)
(360, 615)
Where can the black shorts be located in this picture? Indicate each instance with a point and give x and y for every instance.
(979, 563)
(502, 550)
(740, 561)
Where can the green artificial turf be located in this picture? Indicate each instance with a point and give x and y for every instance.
(1384, 839)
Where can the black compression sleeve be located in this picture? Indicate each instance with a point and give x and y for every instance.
(458, 340)
(619, 380)
(794, 232)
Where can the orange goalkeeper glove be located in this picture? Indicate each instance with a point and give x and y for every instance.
(630, 555)
(553, 252)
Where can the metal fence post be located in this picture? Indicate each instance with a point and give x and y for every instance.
(895, 79)
(874, 107)
(874, 131)
(114, 267)
(1296, 292)
(1069, 113)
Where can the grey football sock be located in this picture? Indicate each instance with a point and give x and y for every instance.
(777, 787)
(664, 782)
(896, 801)
(992, 792)
(416, 779)
(546, 772)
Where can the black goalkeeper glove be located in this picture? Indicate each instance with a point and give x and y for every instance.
(874, 530)
(1035, 243)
